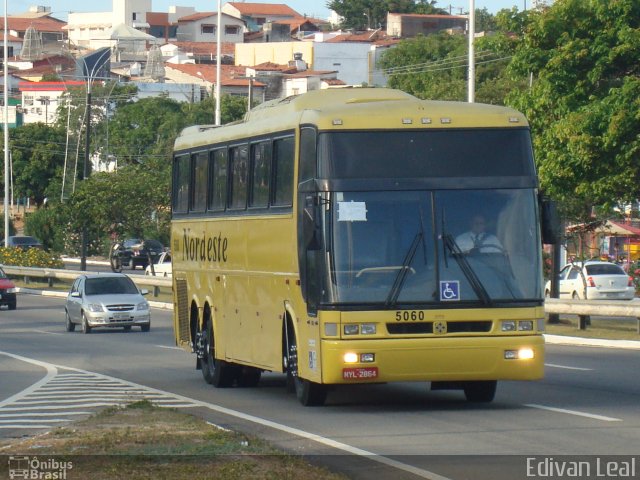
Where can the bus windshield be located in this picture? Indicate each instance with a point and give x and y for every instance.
(421, 247)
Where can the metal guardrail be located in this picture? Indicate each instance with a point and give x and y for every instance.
(587, 308)
(51, 274)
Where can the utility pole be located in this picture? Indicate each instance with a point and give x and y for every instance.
(85, 175)
(471, 81)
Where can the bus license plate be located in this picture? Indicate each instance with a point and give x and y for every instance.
(359, 373)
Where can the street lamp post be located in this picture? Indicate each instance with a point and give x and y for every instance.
(90, 75)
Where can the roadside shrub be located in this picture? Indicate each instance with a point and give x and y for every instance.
(33, 257)
(12, 228)
(45, 225)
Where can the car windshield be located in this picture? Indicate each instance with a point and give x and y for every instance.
(109, 286)
(604, 269)
(2, 274)
(130, 242)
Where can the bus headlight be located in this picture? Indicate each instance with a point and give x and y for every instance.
(351, 357)
(524, 353)
(508, 325)
(368, 329)
(331, 329)
(525, 325)
(351, 329)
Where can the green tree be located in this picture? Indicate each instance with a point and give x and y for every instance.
(363, 14)
(38, 153)
(584, 102)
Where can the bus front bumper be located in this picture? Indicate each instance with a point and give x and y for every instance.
(433, 359)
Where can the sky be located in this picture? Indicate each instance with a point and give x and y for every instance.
(313, 8)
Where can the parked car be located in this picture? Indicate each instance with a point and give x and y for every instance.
(7, 291)
(594, 280)
(137, 253)
(106, 300)
(22, 241)
(162, 268)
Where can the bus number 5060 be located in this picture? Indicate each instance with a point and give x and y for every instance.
(406, 316)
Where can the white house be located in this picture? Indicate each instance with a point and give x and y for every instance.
(40, 100)
(203, 27)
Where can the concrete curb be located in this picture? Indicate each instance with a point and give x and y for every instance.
(591, 342)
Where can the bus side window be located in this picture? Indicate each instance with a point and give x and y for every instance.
(283, 156)
(199, 177)
(238, 169)
(260, 174)
(218, 186)
(181, 170)
(308, 167)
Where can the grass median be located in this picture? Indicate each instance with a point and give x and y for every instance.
(142, 441)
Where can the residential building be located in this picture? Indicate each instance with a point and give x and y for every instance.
(354, 56)
(203, 26)
(51, 29)
(14, 44)
(234, 80)
(407, 25)
(40, 100)
(250, 54)
(255, 15)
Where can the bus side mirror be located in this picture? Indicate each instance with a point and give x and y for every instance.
(311, 223)
(550, 222)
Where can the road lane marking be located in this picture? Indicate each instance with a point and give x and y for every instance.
(181, 401)
(574, 412)
(553, 365)
(48, 333)
(170, 348)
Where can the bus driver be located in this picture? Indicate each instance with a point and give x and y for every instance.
(477, 240)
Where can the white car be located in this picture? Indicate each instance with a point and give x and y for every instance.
(162, 267)
(594, 280)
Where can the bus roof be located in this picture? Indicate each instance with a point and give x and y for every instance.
(354, 109)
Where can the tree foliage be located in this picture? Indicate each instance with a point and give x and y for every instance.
(37, 156)
(363, 14)
(584, 101)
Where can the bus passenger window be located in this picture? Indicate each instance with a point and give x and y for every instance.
(238, 160)
(218, 186)
(181, 183)
(307, 154)
(283, 176)
(260, 174)
(200, 166)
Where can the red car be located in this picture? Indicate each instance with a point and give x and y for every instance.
(7, 291)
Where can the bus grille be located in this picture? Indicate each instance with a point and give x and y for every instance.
(427, 327)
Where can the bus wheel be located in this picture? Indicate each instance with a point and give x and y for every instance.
(248, 376)
(216, 372)
(480, 392)
(310, 394)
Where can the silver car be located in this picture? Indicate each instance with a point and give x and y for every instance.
(106, 300)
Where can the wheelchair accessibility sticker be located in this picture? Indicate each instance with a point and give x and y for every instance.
(449, 291)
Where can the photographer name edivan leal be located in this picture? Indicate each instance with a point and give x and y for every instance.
(549, 467)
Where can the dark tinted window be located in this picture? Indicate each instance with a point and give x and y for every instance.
(238, 166)
(109, 285)
(181, 172)
(425, 153)
(604, 269)
(260, 174)
(307, 154)
(200, 177)
(283, 153)
(218, 186)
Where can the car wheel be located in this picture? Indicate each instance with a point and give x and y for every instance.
(145, 328)
(85, 325)
(12, 305)
(127, 328)
(480, 392)
(70, 326)
(575, 296)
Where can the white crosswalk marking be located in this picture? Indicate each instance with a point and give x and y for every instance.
(66, 395)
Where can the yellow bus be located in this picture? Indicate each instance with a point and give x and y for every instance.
(327, 237)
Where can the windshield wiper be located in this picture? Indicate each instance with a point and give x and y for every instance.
(466, 268)
(396, 288)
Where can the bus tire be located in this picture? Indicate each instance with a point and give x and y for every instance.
(310, 394)
(480, 392)
(216, 372)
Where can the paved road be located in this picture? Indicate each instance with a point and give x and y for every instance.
(586, 405)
